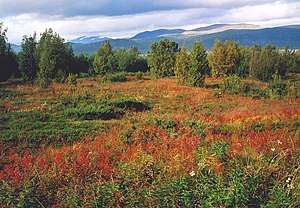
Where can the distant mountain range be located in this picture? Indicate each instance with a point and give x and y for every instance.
(245, 34)
(89, 39)
(195, 32)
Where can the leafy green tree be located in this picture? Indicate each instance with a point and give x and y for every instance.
(134, 51)
(104, 59)
(254, 60)
(266, 62)
(295, 66)
(141, 65)
(127, 60)
(53, 55)
(231, 50)
(224, 58)
(8, 60)
(182, 66)
(190, 69)
(90, 61)
(136, 62)
(244, 62)
(216, 59)
(46, 68)
(28, 61)
(122, 58)
(291, 60)
(198, 65)
(162, 58)
(80, 64)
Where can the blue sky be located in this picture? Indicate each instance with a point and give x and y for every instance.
(125, 18)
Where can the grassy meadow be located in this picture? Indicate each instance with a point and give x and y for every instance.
(148, 143)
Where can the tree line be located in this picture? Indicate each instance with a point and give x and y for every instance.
(39, 60)
(224, 59)
(52, 58)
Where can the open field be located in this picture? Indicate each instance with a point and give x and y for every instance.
(147, 143)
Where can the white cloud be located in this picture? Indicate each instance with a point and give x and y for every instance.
(119, 26)
(265, 12)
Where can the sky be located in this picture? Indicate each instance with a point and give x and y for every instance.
(125, 18)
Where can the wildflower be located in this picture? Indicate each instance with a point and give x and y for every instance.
(272, 149)
(291, 186)
(279, 142)
(192, 173)
(288, 180)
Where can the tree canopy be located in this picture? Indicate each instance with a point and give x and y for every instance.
(162, 57)
(190, 69)
(224, 58)
(53, 55)
(8, 61)
(28, 61)
(104, 59)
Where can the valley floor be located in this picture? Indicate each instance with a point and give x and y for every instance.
(147, 143)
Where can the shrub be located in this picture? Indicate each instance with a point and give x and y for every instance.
(277, 87)
(106, 109)
(233, 84)
(44, 74)
(60, 76)
(119, 77)
(294, 89)
(72, 80)
(258, 93)
(92, 112)
(139, 75)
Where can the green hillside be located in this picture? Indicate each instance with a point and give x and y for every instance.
(279, 36)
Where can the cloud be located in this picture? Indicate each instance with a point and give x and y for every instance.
(125, 18)
(116, 26)
(113, 7)
(265, 12)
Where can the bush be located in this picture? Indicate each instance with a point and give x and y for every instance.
(294, 89)
(92, 112)
(60, 76)
(277, 87)
(72, 80)
(233, 84)
(257, 93)
(139, 76)
(119, 77)
(106, 109)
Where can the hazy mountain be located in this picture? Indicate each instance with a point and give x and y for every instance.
(220, 28)
(157, 33)
(15, 48)
(198, 31)
(89, 39)
(292, 26)
(279, 36)
(245, 34)
(116, 43)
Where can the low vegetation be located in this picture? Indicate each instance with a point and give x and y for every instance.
(150, 143)
(223, 133)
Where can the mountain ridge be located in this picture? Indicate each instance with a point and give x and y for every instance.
(245, 34)
(288, 35)
(89, 39)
